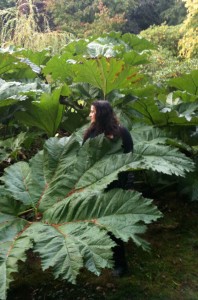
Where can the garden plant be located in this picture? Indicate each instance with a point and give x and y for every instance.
(52, 193)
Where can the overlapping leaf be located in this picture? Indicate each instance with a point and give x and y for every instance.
(11, 92)
(65, 185)
(12, 248)
(106, 74)
(169, 109)
(188, 83)
(153, 145)
(18, 68)
(179, 105)
(45, 114)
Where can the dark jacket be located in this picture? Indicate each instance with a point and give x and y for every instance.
(125, 179)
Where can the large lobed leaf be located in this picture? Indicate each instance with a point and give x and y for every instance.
(188, 82)
(12, 66)
(106, 73)
(45, 114)
(111, 210)
(64, 186)
(13, 246)
(13, 91)
(153, 145)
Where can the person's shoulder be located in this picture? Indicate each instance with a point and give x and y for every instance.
(123, 130)
(89, 133)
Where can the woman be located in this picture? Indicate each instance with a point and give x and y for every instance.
(103, 120)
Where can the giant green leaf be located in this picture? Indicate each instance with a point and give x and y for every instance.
(45, 114)
(59, 68)
(103, 211)
(17, 68)
(114, 46)
(54, 178)
(62, 190)
(188, 82)
(136, 42)
(12, 248)
(7, 62)
(12, 92)
(39, 58)
(65, 246)
(153, 145)
(106, 73)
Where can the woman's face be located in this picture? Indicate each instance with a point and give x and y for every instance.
(92, 114)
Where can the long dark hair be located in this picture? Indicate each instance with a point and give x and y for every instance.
(105, 121)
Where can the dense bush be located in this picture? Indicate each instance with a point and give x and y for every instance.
(164, 36)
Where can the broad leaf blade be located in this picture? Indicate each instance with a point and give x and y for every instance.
(17, 181)
(66, 245)
(188, 82)
(12, 248)
(118, 211)
(45, 114)
(164, 159)
(106, 74)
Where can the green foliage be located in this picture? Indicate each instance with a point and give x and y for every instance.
(84, 18)
(56, 204)
(189, 42)
(103, 21)
(188, 83)
(174, 42)
(172, 12)
(6, 3)
(166, 63)
(165, 36)
(22, 23)
(147, 13)
(45, 114)
(26, 25)
(11, 147)
(176, 108)
(70, 16)
(64, 188)
(163, 66)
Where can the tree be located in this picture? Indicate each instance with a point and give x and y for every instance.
(80, 17)
(189, 43)
(103, 21)
(173, 12)
(71, 15)
(7, 3)
(20, 22)
(26, 25)
(149, 12)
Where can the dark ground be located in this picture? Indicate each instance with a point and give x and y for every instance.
(168, 272)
